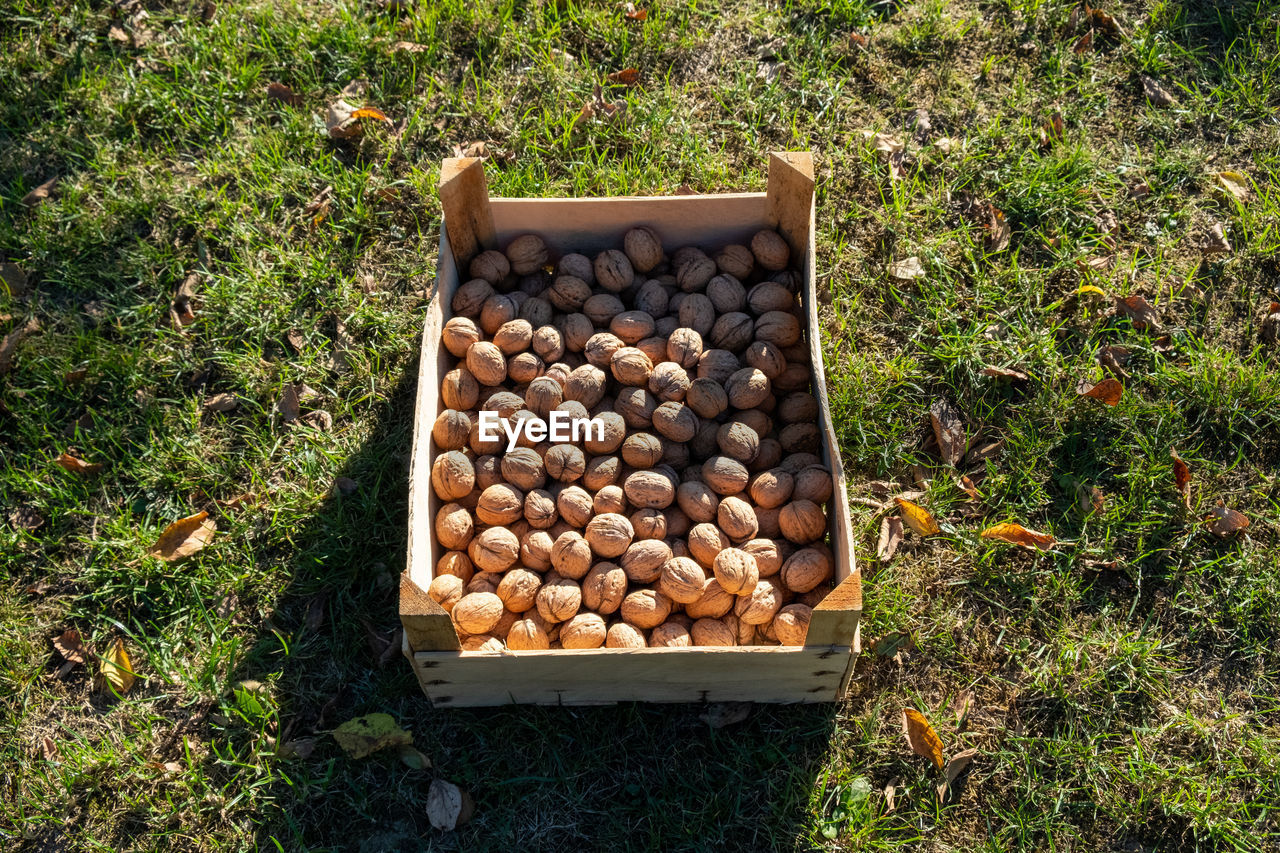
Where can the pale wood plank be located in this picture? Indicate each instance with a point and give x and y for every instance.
(464, 199)
(790, 200)
(426, 625)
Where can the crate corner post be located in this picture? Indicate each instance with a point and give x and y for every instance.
(426, 626)
(464, 201)
(790, 198)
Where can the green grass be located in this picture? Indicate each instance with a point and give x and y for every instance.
(1128, 709)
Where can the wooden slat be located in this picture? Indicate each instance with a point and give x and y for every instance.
(426, 625)
(464, 198)
(835, 619)
(603, 676)
(791, 198)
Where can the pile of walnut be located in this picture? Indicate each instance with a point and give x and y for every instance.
(698, 520)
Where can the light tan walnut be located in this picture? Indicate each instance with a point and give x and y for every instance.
(630, 366)
(455, 563)
(669, 381)
(609, 535)
(575, 506)
(736, 571)
(571, 555)
(452, 475)
(682, 580)
(535, 550)
(558, 599)
(759, 606)
(649, 489)
(458, 335)
(675, 421)
(451, 430)
(513, 337)
(806, 569)
(642, 450)
(527, 254)
(518, 589)
(583, 631)
(500, 504)
(477, 612)
(494, 549)
(526, 635)
(714, 602)
(712, 632)
(803, 522)
(643, 560)
(646, 608)
(447, 590)
(459, 389)
(737, 519)
(540, 509)
(643, 248)
(624, 636)
(791, 625)
(454, 527)
(565, 462)
(726, 476)
(705, 542)
(671, 635)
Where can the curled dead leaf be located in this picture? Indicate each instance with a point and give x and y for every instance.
(948, 429)
(1223, 521)
(289, 403)
(71, 647)
(115, 670)
(1084, 43)
(890, 538)
(625, 77)
(448, 806)
(917, 518)
(906, 269)
(1156, 92)
(284, 94)
(184, 537)
(1236, 185)
(76, 465)
(1016, 534)
(9, 345)
(1215, 241)
(921, 737)
(1108, 390)
(956, 765)
(1052, 130)
(25, 518)
(182, 309)
(1114, 358)
(1007, 373)
(409, 47)
(634, 14)
(40, 194)
(1182, 479)
(224, 402)
(1139, 311)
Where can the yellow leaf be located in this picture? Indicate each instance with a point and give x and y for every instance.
(115, 669)
(917, 518)
(921, 737)
(184, 537)
(371, 112)
(370, 733)
(1019, 535)
(1236, 185)
(1089, 288)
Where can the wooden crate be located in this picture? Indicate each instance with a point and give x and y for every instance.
(817, 672)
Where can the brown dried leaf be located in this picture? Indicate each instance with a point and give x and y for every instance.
(948, 429)
(76, 465)
(184, 537)
(921, 737)
(115, 669)
(284, 94)
(1182, 479)
(448, 806)
(48, 749)
(1016, 534)
(40, 194)
(1139, 311)
(998, 231)
(1083, 43)
(11, 341)
(1215, 241)
(1108, 390)
(224, 402)
(1089, 499)
(1236, 185)
(906, 269)
(1224, 522)
(288, 405)
(956, 765)
(964, 704)
(13, 279)
(182, 310)
(859, 41)
(319, 419)
(917, 518)
(71, 647)
(342, 346)
(625, 77)
(1156, 93)
(1004, 373)
(1114, 358)
(890, 538)
(1097, 263)
(634, 14)
(25, 518)
(295, 339)
(345, 485)
(721, 714)
(1104, 22)
(981, 453)
(1052, 130)
(966, 485)
(889, 791)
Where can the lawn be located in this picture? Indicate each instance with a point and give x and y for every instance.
(1043, 165)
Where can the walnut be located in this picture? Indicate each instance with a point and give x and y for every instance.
(600, 308)
(643, 248)
(800, 438)
(649, 523)
(451, 430)
(769, 296)
(624, 636)
(494, 549)
(459, 334)
(797, 462)
(747, 388)
(717, 365)
(613, 270)
(736, 261)
(675, 455)
(684, 347)
(738, 441)
(632, 326)
(524, 367)
(768, 519)
(609, 499)
(502, 401)
(771, 488)
(770, 250)
(682, 580)
(670, 634)
(583, 631)
(693, 269)
(490, 265)
(767, 457)
(732, 332)
(469, 298)
(452, 475)
(476, 612)
(604, 588)
(585, 384)
(669, 382)
(755, 419)
(698, 501)
(605, 433)
(725, 475)
(643, 560)
(806, 569)
(501, 503)
(518, 588)
(568, 293)
(705, 542)
(697, 313)
(737, 519)
(766, 358)
(484, 582)
(558, 599)
(577, 330)
(712, 632)
(769, 555)
(601, 472)
(758, 606)
(636, 406)
(646, 608)
(565, 463)
(707, 398)
(736, 570)
(548, 343)
(460, 390)
(795, 377)
(540, 509)
(609, 534)
(578, 266)
(642, 450)
(543, 395)
(513, 337)
(571, 555)
(526, 635)
(535, 550)
(813, 483)
(482, 643)
(675, 421)
(496, 311)
(649, 489)
(779, 328)
(575, 506)
(631, 367)
(455, 563)
(651, 298)
(803, 522)
(446, 590)
(727, 294)
(664, 326)
(798, 407)
(714, 602)
(527, 253)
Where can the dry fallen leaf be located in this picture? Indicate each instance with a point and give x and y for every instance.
(25, 518)
(413, 759)
(1215, 241)
(1182, 479)
(184, 537)
(906, 269)
(48, 749)
(223, 402)
(410, 47)
(1156, 93)
(1223, 521)
(625, 77)
(342, 120)
(319, 419)
(1114, 358)
(1018, 535)
(9, 345)
(634, 14)
(345, 485)
(40, 194)
(964, 704)
(858, 40)
(366, 735)
(917, 518)
(998, 231)
(182, 311)
(1236, 185)
(76, 465)
(948, 429)
(284, 94)
(1083, 43)
(448, 806)
(13, 279)
(288, 404)
(1004, 373)
(71, 647)
(890, 538)
(1052, 130)
(956, 765)
(921, 737)
(1139, 311)
(966, 485)
(721, 714)
(889, 791)
(979, 453)
(1089, 499)
(115, 669)
(1108, 390)
(1102, 21)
